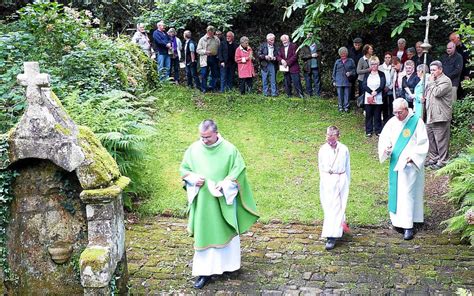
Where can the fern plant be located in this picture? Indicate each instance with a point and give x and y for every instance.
(121, 121)
(461, 192)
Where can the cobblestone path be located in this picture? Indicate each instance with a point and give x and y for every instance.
(289, 259)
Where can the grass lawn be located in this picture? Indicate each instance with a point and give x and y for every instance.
(279, 140)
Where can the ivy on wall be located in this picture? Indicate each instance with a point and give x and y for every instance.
(7, 177)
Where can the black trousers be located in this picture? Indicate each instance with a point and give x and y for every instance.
(293, 78)
(373, 119)
(387, 107)
(245, 85)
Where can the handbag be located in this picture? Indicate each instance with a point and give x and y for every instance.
(352, 78)
(361, 101)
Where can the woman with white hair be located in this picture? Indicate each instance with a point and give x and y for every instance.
(141, 38)
(373, 86)
(175, 54)
(421, 70)
(343, 69)
(409, 81)
(400, 52)
(244, 59)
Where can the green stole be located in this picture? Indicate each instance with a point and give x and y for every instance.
(402, 141)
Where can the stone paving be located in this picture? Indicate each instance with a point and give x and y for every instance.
(289, 259)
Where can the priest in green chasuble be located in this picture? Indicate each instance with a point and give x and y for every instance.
(220, 203)
(405, 141)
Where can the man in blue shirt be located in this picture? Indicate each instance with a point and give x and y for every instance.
(163, 45)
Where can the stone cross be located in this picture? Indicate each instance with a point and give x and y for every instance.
(34, 81)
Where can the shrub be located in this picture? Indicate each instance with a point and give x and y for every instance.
(461, 193)
(182, 14)
(122, 122)
(76, 54)
(102, 81)
(462, 124)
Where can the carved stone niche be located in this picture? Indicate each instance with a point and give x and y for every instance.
(66, 234)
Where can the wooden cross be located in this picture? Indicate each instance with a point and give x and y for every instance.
(34, 81)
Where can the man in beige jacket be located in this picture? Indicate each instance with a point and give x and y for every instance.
(439, 114)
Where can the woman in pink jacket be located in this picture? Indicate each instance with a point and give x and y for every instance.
(243, 58)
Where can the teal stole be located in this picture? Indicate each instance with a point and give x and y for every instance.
(401, 143)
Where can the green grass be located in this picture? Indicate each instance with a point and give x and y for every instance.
(279, 140)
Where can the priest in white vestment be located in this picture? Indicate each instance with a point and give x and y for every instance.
(405, 141)
(335, 175)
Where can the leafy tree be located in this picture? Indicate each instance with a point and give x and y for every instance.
(321, 13)
(181, 14)
(95, 76)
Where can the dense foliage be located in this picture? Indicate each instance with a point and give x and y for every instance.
(322, 13)
(461, 169)
(461, 193)
(182, 14)
(100, 78)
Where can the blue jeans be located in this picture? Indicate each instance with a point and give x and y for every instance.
(227, 76)
(269, 73)
(191, 74)
(313, 82)
(343, 97)
(175, 68)
(213, 68)
(164, 64)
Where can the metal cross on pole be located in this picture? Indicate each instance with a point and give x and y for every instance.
(426, 47)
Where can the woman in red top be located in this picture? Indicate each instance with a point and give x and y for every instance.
(400, 52)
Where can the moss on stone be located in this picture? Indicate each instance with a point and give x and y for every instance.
(99, 168)
(105, 194)
(95, 257)
(63, 130)
(56, 99)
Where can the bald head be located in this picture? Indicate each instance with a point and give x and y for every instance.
(451, 48)
(455, 38)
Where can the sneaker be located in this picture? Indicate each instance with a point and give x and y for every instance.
(368, 135)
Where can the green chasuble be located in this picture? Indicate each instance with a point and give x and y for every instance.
(402, 141)
(212, 222)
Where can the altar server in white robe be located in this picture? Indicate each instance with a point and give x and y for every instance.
(335, 175)
(404, 140)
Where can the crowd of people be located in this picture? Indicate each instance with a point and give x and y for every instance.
(403, 73)
(407, 98)
(219, 57)
(211, 63)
